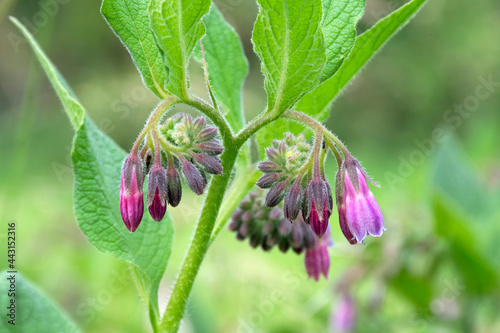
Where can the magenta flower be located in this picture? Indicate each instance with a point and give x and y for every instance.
(317, 259)
(359, 213)
(157, 192)
(318, 205)
(343, 225)
(131, 197)
(345, 314)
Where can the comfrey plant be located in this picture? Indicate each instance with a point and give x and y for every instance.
(309, 52)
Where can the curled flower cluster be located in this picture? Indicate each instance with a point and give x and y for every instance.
(267, 227)
(294, 172)
(181, 146)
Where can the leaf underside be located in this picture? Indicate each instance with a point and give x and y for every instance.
(130, 21)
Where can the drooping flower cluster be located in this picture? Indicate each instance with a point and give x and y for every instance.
(267, 227)
(295, 172)
(181, 146)
(290, 177)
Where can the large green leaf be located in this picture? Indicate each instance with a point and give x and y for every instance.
(129, 19)
(177, 27)
(35, 312)
(288, 39)
(339, 31)
(73, 108)
(317, 102)
(453, 175)
(97, 164)
(227, 66)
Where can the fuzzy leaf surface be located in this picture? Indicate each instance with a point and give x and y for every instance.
(129, 19)
(288, 39)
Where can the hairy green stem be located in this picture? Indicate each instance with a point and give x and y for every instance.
(199, 245)
(314, 124)
(252, 127)
(154, 118)
(214, 115)
(335, 151)
(205, 233)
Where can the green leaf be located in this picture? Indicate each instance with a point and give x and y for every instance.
(287, 38)
(177, 27)
(227, 66)
(35, 312)
(479, 276)
(73, 108)
(317, 102)
(339, 31)
(454, 176)
(97, 162)
(129, 19)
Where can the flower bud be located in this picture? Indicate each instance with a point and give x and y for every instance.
(362, 212)
(318, 206)
(212, 165)
(208, 133)
(276, 194)
(157, 192)
(212, 147)
(273, 154)
(170, 122)
(296, 237)
(234, 225)
(268, 180)
(255, 240)
(268, 226)
(174, 186)
(187, 121)
(131, 196)
(285, 227)
(284, 245)
(193, 177)
(293, 200)
(268, 166)
(198, 124)
(282, 148)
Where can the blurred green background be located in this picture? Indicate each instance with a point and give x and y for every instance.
(436, 268)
